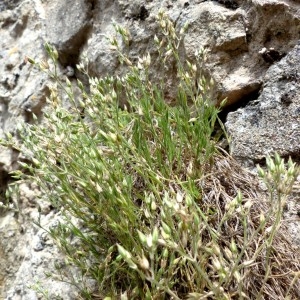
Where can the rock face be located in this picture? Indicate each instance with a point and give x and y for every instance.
(28, 255)
(67, 28)
(272, 122)
(253, 56)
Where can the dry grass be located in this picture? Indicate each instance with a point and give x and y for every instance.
(226, 178)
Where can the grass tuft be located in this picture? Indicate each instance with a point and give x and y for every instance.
(153, 208)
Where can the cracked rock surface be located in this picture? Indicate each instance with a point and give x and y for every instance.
(272, 122)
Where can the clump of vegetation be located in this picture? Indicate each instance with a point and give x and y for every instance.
(161, 212)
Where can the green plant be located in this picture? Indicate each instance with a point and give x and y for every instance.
(153, 209)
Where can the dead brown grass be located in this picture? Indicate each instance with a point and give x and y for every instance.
(226, 178)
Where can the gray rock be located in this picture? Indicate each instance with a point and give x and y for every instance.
(20, 84)
(232, 37)
(272, 122)
(9, 4)
(28, 275)
(67, 26)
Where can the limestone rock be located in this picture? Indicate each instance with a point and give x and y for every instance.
(22, 88)
(272, 122)
(232, 32)
(31, 258)
(9, 4)
(67, 25)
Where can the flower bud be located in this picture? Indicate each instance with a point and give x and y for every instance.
(260, 171)
(233, 247)
(144, 263)
(142, 237)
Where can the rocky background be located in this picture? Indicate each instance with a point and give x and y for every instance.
(253, 55)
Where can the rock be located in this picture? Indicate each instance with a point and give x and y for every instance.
(67, 26)
(27, 276)
(9, 4)
(272, 122)
(10, 254)
(21, 86)
(232, 37)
